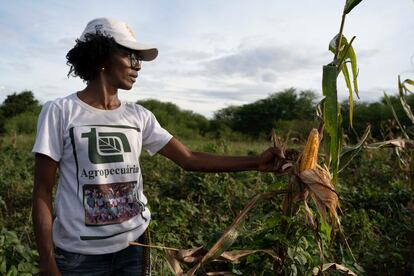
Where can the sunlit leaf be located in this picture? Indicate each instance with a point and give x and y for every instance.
(399, 143)
(335, 267)
(350, 94)
(409, 82)
(350, 4)
(235, 255)
(354, 67)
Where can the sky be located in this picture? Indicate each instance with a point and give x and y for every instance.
(212, 53)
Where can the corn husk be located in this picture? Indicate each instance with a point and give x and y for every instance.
(318, 185)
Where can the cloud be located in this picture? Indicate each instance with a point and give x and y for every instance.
(367, 53)
(263, 62)
(187, 55)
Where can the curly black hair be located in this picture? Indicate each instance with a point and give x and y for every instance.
(87, 57)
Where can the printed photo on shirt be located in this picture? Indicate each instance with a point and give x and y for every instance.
(109, 203)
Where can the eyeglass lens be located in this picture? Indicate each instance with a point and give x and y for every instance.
(135, 61)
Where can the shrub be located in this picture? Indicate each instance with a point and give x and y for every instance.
(22, 123)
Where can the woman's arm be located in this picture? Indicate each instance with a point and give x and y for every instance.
(42, 212)
(269, 160)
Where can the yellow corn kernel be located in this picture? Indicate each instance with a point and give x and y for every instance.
(310, 153)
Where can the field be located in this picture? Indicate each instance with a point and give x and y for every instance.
(190, 209)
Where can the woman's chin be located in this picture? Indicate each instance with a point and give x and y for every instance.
(127, 86)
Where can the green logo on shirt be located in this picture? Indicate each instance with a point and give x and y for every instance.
(106, 147)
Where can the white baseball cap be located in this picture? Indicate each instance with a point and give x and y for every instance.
(121, 33)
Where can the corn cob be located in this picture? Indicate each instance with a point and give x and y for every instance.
(310, 153)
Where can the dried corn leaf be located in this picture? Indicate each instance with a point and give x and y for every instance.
(221, 273)
(190, 255)
(399, 143)
(173, 262)
(309, 216)
(177, 257)
(333, 266)
(234, 255)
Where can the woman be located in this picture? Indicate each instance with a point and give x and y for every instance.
(95, 141)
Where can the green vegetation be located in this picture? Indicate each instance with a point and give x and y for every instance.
(288, 111)
(190, 208)
(281, 110)
(185, 124)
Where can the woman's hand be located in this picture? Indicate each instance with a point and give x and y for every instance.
(274, 159)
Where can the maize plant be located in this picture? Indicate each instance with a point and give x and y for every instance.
(307, 179)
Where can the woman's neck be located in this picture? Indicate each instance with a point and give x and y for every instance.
(99, 95)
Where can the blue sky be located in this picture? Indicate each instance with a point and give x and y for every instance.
(212, 53)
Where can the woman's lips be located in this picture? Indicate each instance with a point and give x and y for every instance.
(133, 78)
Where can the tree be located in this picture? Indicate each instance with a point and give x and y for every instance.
(258, 118)
(17, 103)
(183, 123)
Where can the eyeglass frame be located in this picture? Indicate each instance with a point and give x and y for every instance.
(134, 60)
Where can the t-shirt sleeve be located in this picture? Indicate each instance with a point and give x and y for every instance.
(49, 140)
(154, 137)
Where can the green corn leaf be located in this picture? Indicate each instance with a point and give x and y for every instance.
(387, 100)
(410, 82)
(331, 114)
(350, 4)
(347, 54)
(351, 98)
(352, 56)
(333, 44)
(340, 133)
(349, 153)
(403, 101)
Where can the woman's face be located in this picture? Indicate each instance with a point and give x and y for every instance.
(121, 70)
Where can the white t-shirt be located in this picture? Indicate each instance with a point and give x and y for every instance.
(98, 153)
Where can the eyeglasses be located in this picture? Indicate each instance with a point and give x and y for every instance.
(135, 60)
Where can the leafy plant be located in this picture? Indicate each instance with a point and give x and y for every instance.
(15, 257)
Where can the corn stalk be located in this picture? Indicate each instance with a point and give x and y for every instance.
(331, 113)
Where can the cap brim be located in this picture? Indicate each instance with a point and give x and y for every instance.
(147, 53)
